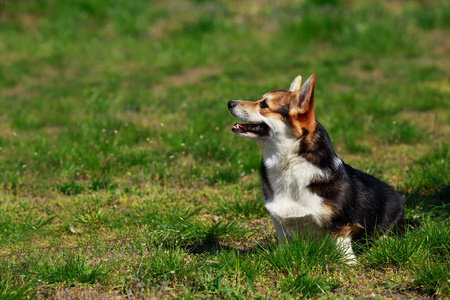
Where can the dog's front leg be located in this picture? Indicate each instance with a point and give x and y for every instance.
(344, 243)
(282, 233)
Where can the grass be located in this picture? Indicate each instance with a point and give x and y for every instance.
(119, 175)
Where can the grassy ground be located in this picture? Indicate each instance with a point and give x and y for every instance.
(119, 174)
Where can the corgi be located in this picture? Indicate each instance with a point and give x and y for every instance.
(306, 186)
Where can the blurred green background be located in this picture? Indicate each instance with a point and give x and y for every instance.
(94, 90)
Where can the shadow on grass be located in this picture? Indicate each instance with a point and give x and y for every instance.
(437, 202)
(211, 247)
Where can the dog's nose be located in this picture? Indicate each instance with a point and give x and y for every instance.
(231, 104)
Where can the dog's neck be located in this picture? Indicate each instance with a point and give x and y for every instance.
(286, 149)
(280, 152)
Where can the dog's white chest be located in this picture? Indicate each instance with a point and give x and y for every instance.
(290, 197)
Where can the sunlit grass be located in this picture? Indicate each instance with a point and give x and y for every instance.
(119, 172)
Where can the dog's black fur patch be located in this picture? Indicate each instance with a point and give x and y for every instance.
(355, 197)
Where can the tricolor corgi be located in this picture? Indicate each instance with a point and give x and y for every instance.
(306, 186)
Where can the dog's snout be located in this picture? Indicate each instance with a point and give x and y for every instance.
(231, 104)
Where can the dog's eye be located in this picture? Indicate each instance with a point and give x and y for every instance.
(263, 104)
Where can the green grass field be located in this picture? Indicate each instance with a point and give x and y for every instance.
(119, 175)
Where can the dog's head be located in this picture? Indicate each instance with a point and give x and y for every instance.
(279, 113)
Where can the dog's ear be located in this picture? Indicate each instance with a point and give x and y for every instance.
(304, 101)
(296, 84)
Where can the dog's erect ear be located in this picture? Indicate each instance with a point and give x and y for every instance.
(305, 97)
(296, 84)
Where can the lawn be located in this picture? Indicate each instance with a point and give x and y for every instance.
(119, 175)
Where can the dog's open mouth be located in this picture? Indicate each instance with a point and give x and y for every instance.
(260, 129)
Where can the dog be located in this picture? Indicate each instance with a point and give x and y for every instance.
(306, 186)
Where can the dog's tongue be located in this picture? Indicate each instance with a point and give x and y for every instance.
(243, 127)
